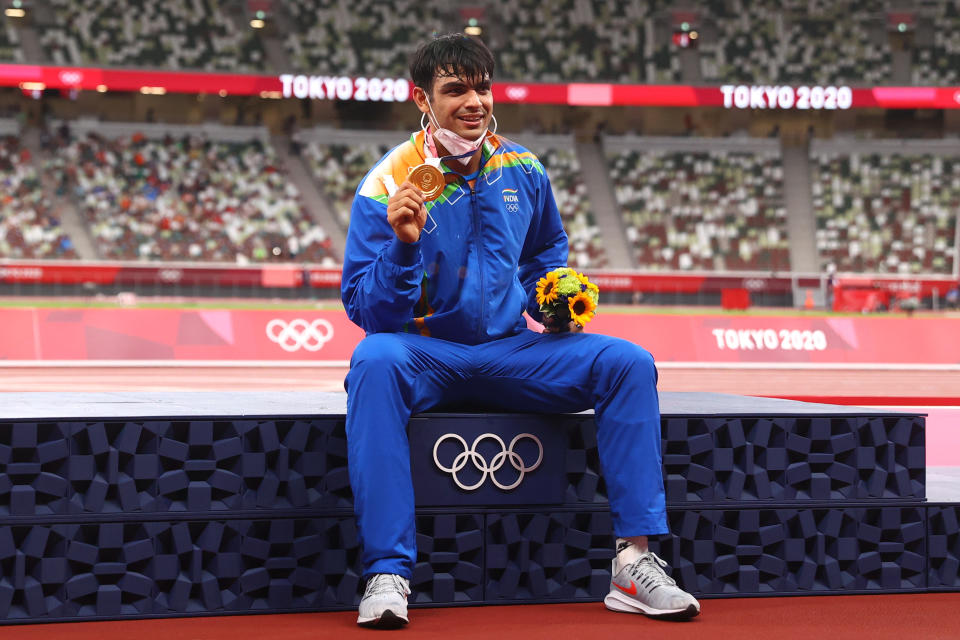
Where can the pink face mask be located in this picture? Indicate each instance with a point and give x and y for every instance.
(460, 148)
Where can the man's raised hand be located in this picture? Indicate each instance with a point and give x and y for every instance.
(406, 213)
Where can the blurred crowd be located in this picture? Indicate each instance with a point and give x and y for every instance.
(185, 199)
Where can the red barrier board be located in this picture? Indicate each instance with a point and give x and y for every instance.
(175, 334)
(225, 335)
(778, 339)
(75, 272)
(868, 294)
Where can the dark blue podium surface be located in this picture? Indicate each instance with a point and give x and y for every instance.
(120, 505)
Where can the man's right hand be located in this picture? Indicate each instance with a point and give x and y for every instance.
(406, 213)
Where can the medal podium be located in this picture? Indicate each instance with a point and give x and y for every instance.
(129, 505)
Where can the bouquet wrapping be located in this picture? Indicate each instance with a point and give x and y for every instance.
(565, 295)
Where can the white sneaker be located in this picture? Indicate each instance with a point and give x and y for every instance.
(644, 587)
(384, 603)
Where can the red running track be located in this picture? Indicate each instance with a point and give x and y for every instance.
(835, 383)
(930, 616)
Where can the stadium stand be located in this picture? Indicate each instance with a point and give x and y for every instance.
(710, 204)
(178, 34)
(886, 207)
(579, 40)
(550, 40)
(766, 41)
(701, 204)
(29, 225)
(936, 60)
(741, 42)
(795, 42)
(837, 43)
(184, 195)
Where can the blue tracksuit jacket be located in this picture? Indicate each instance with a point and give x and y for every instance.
(460, 282)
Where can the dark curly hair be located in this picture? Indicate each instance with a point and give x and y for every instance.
(453, 54)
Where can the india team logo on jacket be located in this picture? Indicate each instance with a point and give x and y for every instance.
(511, 202)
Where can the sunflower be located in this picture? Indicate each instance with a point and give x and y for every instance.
(547, 288)
(582, 308)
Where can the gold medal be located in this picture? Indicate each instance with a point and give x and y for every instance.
(429, 180)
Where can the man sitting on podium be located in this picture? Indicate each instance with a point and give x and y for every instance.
(438, 270)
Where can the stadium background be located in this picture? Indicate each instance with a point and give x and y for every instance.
(706, 189)
(192, 197)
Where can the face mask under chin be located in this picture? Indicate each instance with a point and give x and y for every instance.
(459, 148)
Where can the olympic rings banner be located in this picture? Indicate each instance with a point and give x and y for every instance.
(118, 334)
(176, 334)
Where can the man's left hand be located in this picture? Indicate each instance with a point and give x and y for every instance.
(551, 325)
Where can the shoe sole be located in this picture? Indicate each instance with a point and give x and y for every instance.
(387, 620)
(615, 602)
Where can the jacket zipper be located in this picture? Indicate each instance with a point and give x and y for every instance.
(477, 229)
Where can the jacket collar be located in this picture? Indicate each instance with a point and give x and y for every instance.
(491, 145)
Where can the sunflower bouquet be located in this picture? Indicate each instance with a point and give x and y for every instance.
(565, 295)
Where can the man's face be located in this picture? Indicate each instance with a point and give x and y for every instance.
(462, 105)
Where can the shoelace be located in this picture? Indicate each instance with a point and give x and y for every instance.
(649, 571)
(384, 583)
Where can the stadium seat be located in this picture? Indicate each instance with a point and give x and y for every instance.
(714, 209)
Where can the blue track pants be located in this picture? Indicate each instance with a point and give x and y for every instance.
(395, 375)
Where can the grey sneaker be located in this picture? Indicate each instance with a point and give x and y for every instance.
(644, 587)
(384, 603)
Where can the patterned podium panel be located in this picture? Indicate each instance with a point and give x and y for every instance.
(110, 570)
(136, 514)
(225, 465)
(943, 525)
